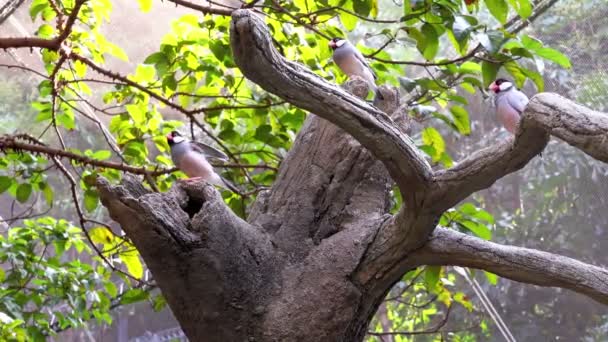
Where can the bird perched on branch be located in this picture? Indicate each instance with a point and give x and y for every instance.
(510, 103)
(191, 158)
(352, 63)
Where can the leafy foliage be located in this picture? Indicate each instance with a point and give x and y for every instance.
(45, 287)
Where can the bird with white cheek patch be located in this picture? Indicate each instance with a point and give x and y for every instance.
(352, 63)
(510, 103)
(191, 158)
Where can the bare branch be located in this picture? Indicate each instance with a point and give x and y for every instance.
(260, 62)
(449, 247)
(51, 44)
(9, 142)
(202, 8)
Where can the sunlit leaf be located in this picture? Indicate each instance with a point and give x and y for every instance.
(431, 137)
(461, 119)
(499, 9)
(101, 235)
(492, 278)
(145, 5)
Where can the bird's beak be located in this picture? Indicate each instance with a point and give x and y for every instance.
(332, 44)
(169, 137)
(493, 87)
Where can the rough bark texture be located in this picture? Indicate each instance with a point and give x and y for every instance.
(319, 250)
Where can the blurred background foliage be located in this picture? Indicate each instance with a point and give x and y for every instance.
(70, 273)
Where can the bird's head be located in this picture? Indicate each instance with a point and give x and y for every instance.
(500, 85)
(335, 43)
(174, 138)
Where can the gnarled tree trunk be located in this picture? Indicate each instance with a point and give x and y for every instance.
(319, 250)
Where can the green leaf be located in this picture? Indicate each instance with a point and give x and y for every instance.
(102, 235)
(348, 21)
(554, 56)
(45, 31)
(362, 7)
(536, 78)
(145, 5)
(24, 190)
(111, 289)
(219, 49)
(431, 41)
(2, 275)
(47, 191)
(524, 9)
(461, 119)
(481, 230)
(489, 71)
(374, 11)
(431, 277)
(102, 155)
(132, 262)
(91, 200)
(431, 137)
(136, 113)
(159, 303)
(407, 83)
(499, 9)
(515, 70)
(37, 7)
(492, 278)
(5, 183)
(133, 296)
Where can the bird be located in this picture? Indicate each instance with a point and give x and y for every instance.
(510, 103)
(191, 158)
(352, 63)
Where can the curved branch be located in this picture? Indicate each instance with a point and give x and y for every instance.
(449, 247)
(546, 114)
(577, 125)
(261, 63)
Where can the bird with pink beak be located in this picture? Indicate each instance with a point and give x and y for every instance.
(352, 63)
(510, 103)
(191, 158)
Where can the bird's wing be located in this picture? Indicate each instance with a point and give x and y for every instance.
(361, 59)
(517, 100)
(208, 151)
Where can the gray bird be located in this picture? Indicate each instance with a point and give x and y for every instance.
(510, 103)
(191, 158)
(352, 62)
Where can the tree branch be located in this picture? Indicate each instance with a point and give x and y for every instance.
(51, 44)
(546, 114)
(9, 142)
(260, 62)
(202, 8)
(449, 247)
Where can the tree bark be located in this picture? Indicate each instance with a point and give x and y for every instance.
(319, 250)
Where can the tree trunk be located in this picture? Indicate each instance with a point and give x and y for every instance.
(287, 275)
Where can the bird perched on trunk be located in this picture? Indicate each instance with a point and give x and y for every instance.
(191, 158)
(510, 103)
(352, 62)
